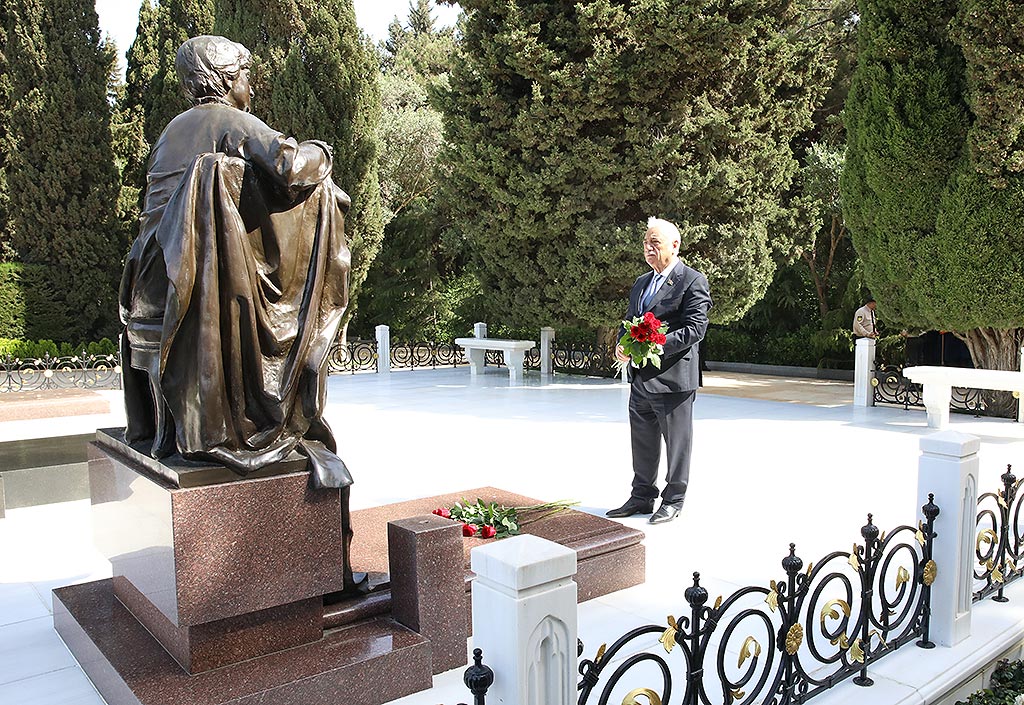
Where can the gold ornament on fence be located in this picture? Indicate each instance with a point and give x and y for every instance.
(750, 649)
(631, 697)
(794, 637)
(930, 570)
(668, 639)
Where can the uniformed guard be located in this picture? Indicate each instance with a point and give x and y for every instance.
(864, 321)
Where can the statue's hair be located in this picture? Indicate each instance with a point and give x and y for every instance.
(664, 227)
(207, 66)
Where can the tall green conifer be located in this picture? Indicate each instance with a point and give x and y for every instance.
(315, 76)
(61, 175)
(6, 20)
(152, 82)
(571, 123)
(933, 189)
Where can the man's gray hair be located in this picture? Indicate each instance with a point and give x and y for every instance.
(664, 227)
(207, 66)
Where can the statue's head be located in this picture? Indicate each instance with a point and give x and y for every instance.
(214, 69)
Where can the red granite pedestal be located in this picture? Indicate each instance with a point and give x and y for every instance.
(610, 556)
(218, 591)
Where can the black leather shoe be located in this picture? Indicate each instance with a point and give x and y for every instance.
(666, 513)
(633, 505)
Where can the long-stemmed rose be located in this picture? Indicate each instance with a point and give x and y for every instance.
(492, 520)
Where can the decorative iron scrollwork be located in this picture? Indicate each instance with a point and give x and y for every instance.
(821, 626)
(998, 539)
(81, 371)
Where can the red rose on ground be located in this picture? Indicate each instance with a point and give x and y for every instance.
(468, 530)
(488, 532)
(442, 512)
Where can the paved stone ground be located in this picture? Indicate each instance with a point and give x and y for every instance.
(766, 471)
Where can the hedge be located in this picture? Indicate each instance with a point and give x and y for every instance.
(32, 349)
(1006, 686)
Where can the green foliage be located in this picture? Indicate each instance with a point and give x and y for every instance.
(6, 249)
(1006, 686)
(805, 347)
(62, 182)
(570, 124)
(417, 284)
(30, 305)
(35, 349)
(153, 87)
(934, 185)
(315, 76)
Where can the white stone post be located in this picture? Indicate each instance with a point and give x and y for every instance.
(383, 349)
(1020, 399)
(480, 330)
(524, 619)
(864, 373)
(547, 336)
(948, 468)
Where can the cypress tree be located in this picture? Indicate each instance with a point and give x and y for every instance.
(61, 175)
(933, 191)
(6, 20)
(315, 76)
(152, 82)
(571, 123)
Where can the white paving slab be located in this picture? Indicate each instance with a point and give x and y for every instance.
(764, 474)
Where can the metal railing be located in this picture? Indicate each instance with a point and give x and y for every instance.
(81, 371)
(797, 637)
(891, 387)
(998, 539)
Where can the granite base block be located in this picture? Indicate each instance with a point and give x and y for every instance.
(207, 646)
(427, 585)
(129, 667)
(208, 553)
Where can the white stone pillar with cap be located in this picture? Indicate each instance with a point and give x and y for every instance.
(948, 468)
(524, 619)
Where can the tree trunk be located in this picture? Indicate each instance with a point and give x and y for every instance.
(994, 348)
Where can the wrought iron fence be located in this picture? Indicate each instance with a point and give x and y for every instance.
(891, 387)
(805, 633)
(426, 354)
(82, 371)
(999, 538)
(576, 359)
(352, 356)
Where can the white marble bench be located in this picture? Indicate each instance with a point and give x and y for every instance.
(514, 351)
(938, 383)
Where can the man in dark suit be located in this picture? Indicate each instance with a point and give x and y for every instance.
(661, 400)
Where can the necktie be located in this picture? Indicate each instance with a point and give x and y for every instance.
(651, 291)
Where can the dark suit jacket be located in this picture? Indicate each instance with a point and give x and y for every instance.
(683, 301)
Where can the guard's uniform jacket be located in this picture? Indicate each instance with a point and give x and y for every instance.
(864, 322)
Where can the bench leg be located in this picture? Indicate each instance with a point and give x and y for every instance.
(514, 360)
(476, 361)
(936, 400)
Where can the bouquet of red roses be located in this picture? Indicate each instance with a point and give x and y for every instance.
(643, 340)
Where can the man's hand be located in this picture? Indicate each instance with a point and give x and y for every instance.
(620, 354)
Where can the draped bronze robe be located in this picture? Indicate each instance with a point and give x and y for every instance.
(233, 294)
